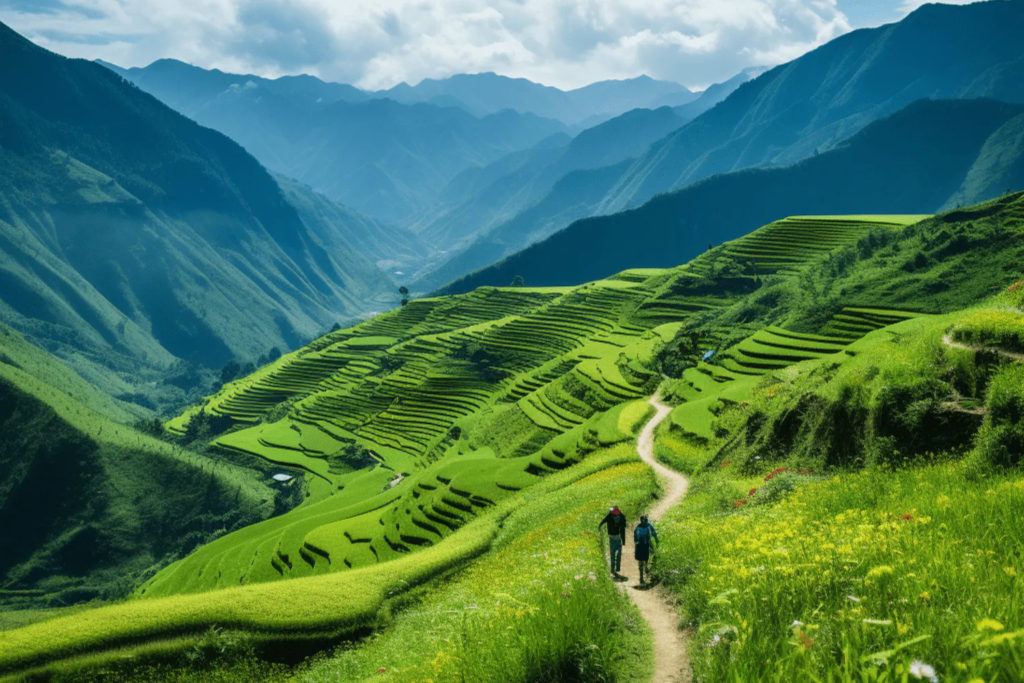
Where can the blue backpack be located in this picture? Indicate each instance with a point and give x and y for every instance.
(643, 534)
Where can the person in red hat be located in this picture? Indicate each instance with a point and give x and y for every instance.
(616, 522)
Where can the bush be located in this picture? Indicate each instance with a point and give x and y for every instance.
(1001, 438)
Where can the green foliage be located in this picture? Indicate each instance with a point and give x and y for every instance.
(1001, 329)
(854, 577)
(1001, 438)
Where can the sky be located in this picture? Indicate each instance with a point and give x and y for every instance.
(375, 44)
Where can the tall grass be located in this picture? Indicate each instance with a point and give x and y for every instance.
(855, 578)
(539, 608)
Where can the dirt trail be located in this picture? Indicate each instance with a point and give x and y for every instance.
(948, 341)
(671, 662)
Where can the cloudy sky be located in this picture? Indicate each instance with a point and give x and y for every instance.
(377, 43)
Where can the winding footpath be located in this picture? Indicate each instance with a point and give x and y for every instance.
(671, 662)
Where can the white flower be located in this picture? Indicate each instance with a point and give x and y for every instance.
(853, 598)
(796, 622)
(919, 669)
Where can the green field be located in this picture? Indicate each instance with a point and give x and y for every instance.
(439, 443)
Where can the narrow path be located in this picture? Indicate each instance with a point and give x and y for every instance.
(947, 339)
(671, 662)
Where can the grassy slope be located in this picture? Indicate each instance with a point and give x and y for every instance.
(90, 505)
(439, 392)
(851, 275)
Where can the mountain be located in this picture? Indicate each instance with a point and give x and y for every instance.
(134, 241)
(483, 197)
(802, 107)
(385, 159)
(478, 218)
(487, 93)
(892, 166)
(89, 506)
(343, 231)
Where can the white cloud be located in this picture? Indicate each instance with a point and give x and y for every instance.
(377, 43)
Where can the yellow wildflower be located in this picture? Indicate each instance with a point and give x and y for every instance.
(880, 571)
(989, 625)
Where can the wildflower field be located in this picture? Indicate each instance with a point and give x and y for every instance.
(855, 577)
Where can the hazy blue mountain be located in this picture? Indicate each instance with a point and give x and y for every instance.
(343, 231)
(714, 94)
(380, 157)
(486, 93)
(794, 110)
(929, 156)
(480, 217)
(133, 239)
(483, 198)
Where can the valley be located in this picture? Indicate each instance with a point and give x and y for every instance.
(302, 380)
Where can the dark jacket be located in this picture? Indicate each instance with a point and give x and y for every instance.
(616, 525)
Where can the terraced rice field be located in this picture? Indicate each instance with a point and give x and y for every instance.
(412, 423)
(787, 245)
(417, 430)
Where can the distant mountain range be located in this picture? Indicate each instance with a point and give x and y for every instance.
(133, 240)
(448, 158)
(487, 93)
(480, 200)
(791, 112)
(929, 156)
(382, 158)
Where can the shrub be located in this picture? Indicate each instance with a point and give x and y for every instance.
(1001, 438)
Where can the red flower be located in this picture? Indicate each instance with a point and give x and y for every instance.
(752, 492)
(725, 464)
(907, 517)
(805, 472)
(773, 473)
(1016, 285)
(739, 503)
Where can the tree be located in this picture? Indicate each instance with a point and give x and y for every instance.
(229, 372)
(518, 281)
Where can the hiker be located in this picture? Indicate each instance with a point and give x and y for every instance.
(643, 535)
(616, 522)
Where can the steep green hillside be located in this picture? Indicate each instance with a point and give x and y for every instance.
(892, 166)
(794, 111)
(132, 239)
(90, 507)
(428, 433)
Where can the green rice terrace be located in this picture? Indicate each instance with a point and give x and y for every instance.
(846, 397)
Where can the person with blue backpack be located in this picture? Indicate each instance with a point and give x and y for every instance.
(644, 536)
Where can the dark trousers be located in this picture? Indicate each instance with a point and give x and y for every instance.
(615, 550)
